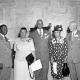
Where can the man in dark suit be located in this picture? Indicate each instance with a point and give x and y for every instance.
(41, 38)
(5, 55)
(73, 59)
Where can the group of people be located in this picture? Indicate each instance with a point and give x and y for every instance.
(44, 46)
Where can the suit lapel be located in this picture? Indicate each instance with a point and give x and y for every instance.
(37, 35)
(1, 37)
(44, 31)
(70, 38)
(77, 33)
(5, 42)
(37, 31)
(74, 40)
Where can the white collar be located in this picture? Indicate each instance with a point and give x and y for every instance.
(2, 35)
(74, 32)
(39, 31)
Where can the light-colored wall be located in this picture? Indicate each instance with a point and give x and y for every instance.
(18, 13)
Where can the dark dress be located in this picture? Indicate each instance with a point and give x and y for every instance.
(58, 51)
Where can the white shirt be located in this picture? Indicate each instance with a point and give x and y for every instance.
(41, 33)
(2, 35)
(74, 32)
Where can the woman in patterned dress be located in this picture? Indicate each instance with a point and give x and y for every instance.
(58, 52)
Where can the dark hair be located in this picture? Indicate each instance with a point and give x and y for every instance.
(23, 28)
(2, 26)
(37, 22)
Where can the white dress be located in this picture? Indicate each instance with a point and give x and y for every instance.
(22, 49)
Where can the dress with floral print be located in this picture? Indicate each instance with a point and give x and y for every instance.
(58, 51)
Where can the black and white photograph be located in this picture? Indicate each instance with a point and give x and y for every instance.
(39, 39)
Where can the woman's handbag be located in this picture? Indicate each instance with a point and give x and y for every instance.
(30, 60)
(65, 70)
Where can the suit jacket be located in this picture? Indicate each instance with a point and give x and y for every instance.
(74, 47)
(41, 44)
(5, 53)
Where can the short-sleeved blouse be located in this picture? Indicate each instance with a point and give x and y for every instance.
(23, 48)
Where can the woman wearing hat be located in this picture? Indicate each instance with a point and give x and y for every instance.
(58, 52)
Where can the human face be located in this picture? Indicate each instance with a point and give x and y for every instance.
(73, 26)
(39, 24)
(4, 30)
(57, 34)
(23, 33)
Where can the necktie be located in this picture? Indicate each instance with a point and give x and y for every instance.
(72, 36)
(40, 32)
(6, 38)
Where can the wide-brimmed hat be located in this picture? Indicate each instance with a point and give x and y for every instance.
(58, 28)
